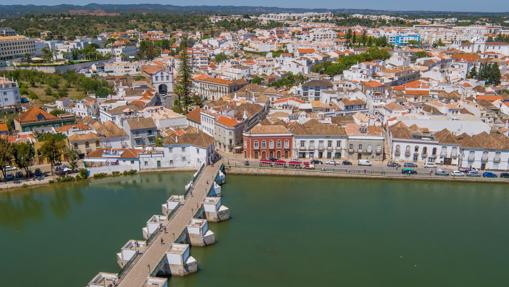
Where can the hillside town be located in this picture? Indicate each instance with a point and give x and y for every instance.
(307, 93)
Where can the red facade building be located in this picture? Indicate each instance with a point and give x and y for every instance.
(268, 141)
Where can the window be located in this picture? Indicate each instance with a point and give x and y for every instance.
(146, 163)
(287, 144)
(329, 143)
(302, 143)
(338, 144)
(87, 144)
(183, 158)
(278, 145)
(256, 145)
(271, 144)
(360, 147)
(264, 144)
(183, 149)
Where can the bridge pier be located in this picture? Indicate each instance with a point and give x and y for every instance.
(215, 211)
(129, 251)
(156, 282)
(199, 233)
(179, 260)
(103, 279)
(171, 204)
(153, 225)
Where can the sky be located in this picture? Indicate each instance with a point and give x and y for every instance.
(428, 5)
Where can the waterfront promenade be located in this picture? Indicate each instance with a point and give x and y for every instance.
(238, 166)
(137, 272)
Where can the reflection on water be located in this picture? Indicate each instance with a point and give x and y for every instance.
(19, 207)
(71, 231)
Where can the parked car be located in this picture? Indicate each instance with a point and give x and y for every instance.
(9, 177)
(410, 164)
(331, 162)
(246, 162)
(62, 170)
(38, 172)
(308, 165)
(473, 173)
(364, 162)
(393, 164)
(457, 173)
(315, 161)
(408, 170)
(430, 165)
(441, 172)
(504, 175)
(489, 174)
(346, 162)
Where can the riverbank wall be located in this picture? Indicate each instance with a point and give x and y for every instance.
(251, 170)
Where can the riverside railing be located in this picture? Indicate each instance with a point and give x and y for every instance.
(358, 171)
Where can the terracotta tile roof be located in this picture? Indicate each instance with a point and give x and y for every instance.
(190, 136)
(489, 98)
(35, 114)
(141, 123)
(467, 57)
(268, 129)
(282, 100)
(417, 92)
(194, 116)
(218, 81)
(3, 127)
(108, 129)
(227, 121)
(153, 68)
(90, 137)
(306, 50)
(372, 84)
(125, 153)
(445, 137)
(314, 127)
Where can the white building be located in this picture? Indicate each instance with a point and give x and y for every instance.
(9, 93)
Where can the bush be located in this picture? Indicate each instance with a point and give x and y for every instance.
(100, 175)
(116, 173)
(130, 172)
(83, 173)
(65, 178)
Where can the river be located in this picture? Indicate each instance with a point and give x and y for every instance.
(285, 231)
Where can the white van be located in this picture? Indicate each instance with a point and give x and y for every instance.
(364, 162)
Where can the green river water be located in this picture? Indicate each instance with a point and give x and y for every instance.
(285, 231)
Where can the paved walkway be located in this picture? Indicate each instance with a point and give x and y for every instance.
(144, 265)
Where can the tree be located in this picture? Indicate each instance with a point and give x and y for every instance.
(24, 154)
(472, 74)
(72, 158)
(52, 150)
(5, 155)
(220, 58)
(47, 54)
(184, 82)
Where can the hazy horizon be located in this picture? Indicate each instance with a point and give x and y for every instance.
(394, 5)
